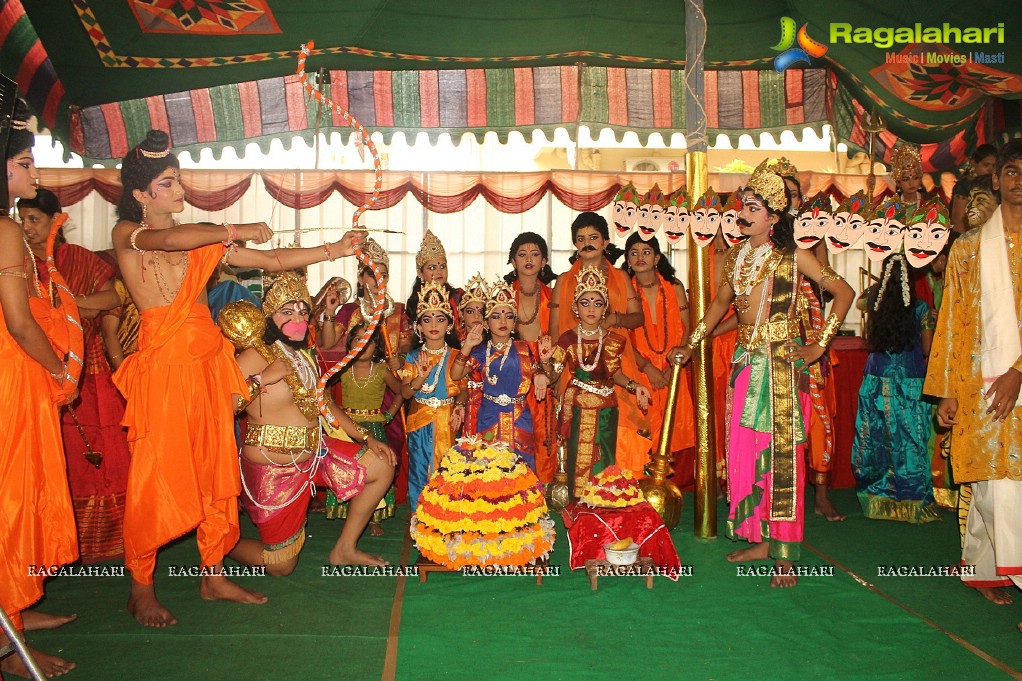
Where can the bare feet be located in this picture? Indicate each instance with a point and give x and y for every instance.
(143, 606)
(35, 620)
(824, 506)
(217, 588)
(759, 551)
(996, 595)
(341, 556)
(784, 577)
(375, 529)
(50, 665)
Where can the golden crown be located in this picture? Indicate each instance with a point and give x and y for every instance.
(287, 287)
(433, 298)
(905, 162)
(783, 167)
(767, 184)
(501, 295)
(431, 249)
(476, 291)
(375, 251)
(591, 279)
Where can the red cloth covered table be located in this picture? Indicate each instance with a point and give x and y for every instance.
(589, 529)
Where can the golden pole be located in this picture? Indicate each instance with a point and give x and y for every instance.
(702, 364)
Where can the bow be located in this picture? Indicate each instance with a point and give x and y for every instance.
(356, 349)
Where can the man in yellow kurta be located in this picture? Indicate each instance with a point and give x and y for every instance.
(976, 369)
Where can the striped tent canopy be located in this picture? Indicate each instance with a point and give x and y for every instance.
(459, 101)
(97, 73)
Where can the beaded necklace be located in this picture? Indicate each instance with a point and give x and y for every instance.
(433, 377)
(599, 350)
(522, 321)
(367, 304)
(368, 378)
(747, 274)
(161, 283)
(499, 347)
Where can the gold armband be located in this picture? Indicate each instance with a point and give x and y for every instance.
(827, 272)
(829, 330)
(698, 335)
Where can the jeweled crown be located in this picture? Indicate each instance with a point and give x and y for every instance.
(906, 162)
(430, 249)
(591, 279)
(476, 291)
(768, 185)
(376, 253)
(433, 298)
(287, 287)
(501, 295)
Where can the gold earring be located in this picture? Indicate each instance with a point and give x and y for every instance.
(145, 215)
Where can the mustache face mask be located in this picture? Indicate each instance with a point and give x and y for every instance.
(296, 331)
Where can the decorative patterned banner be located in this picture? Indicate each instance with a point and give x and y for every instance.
(208, 17)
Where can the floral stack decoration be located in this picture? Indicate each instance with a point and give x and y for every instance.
(613, 487)
(482, 506)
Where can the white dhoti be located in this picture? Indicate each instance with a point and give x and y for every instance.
(993, 534)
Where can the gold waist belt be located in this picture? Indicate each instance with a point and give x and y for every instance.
(504, 400)
(283, 439)
(783, 330)
(362, 412)
(434, 402)
(601, 390)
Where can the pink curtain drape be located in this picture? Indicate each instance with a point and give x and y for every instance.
(439, 192)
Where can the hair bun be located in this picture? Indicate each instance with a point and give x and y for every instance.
(155, 145)
(20, 115)
(156, 140)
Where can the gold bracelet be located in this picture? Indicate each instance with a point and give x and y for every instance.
(698, 334)
(829, 330)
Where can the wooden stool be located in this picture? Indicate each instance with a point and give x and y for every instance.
(643, 567)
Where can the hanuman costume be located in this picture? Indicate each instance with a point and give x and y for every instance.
(429, 411)
(277, 495)
(37, 523)
(589, 405)
(976, 341)
(503, 375)
(180, 418)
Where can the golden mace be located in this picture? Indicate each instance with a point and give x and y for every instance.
(661, 493)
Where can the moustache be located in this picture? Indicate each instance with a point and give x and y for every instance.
(588, 248)
(743, 222)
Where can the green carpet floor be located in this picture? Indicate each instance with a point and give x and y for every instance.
(712, 625)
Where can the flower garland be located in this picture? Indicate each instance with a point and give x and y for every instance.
(612, 487)
(906, 295)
